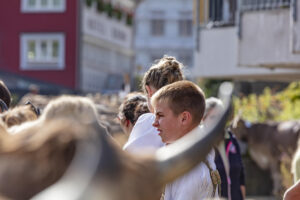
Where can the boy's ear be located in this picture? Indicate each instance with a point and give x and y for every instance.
(186, 117)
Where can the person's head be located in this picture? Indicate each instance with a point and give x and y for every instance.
(214, 107)
(179, 108)
(5, 95)
(130, 110)
(80, 109)
(167, 70)
(19, 115)
(34, 89)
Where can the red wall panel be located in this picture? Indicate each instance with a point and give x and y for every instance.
(13, 22)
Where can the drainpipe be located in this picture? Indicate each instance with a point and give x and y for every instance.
(239, 18)
(294, 10)
(133, 66)
(197, 21)
(78, 84)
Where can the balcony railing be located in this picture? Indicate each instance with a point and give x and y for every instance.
(219, 13)
(254, 5)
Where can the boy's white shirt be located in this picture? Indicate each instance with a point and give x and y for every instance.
(143, 135)
(194, 185)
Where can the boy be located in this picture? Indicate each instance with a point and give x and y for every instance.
(179, 108)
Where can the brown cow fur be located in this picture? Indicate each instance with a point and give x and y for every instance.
(31, 161)
(268, 144)
(19, 115)
(41, 151)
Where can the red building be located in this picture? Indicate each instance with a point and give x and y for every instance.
(39, 40)
(82, 45)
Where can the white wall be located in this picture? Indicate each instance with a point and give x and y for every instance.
(146, 45)
(217, 53)
(218, 58)
(101, 26)
(107, 51)
(267, 39)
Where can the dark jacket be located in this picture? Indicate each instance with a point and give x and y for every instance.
(237, 176)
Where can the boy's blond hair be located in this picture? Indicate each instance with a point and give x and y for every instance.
(182, 96)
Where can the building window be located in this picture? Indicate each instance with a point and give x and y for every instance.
(221, 13)
(42, 51)
(29, 6)
(185, 27)
(215, 10)
(157, 27)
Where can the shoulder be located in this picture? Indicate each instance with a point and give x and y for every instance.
(146, 118)
(194, 185)
(200, 172)
(144, 122)
(143, 126)
(143, 134)
(147, 142)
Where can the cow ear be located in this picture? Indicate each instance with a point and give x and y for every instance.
(235, 121)
(240, 114)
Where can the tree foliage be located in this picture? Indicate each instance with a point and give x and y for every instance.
(280, 106)
(210, 86)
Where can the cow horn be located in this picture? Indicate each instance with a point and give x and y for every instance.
(78, 176)
(178, 158)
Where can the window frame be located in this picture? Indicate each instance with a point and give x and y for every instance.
(183, 27)
(39, 64)
(25, 8)
(156, 28)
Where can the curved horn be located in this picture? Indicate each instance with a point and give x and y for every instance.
(78, 176)
(178, 158)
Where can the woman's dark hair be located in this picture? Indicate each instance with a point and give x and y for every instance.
(133, 107)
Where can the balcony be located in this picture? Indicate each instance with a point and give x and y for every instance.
(223, 54)
(217, 55)
(254, 5)
(269, 34)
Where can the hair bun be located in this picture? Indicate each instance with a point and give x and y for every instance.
(169, 58)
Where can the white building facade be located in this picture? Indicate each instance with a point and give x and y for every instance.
(107, 51)
(163, 27)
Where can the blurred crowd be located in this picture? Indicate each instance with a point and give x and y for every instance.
(168, 109)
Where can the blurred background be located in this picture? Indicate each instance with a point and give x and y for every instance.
(54, 47)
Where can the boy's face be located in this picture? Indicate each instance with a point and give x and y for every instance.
(167, 123)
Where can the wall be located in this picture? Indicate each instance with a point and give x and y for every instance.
(267, 39)
(218, 58)
(149, 47)
(13, 23)
(107, 53)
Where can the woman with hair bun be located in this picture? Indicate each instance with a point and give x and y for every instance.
(143, 135)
